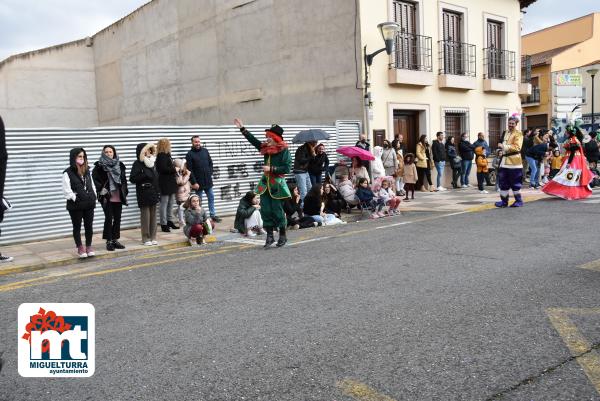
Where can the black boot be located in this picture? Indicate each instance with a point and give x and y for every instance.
(118, 245)
(165, 229)
(282, 238)
(270, 238)
(110, 246)
(172, 225)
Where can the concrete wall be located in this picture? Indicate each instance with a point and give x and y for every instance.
(206, 61)
(53, 87)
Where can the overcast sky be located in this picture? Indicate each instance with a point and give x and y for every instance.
(27, 25)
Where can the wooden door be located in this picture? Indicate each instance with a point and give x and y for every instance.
(496, 125)
(495, 44)
(452, 36)
(405, 124)
(405, 14)
(379, 137)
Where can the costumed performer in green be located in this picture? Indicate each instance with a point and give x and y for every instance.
(272, 188)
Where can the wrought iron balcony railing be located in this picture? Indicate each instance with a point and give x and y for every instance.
(498, 64)
(456, 58)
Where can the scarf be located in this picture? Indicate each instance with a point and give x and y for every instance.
(273, 149)
(113, 170)
(149, 161)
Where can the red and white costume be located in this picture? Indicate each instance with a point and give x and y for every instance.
(572, 181)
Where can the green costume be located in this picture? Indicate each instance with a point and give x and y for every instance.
(272, 188)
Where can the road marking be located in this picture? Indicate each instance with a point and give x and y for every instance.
(593, 265)
(578, 345)
(360, 391)
(246, 241)
(78, 272)
(309, 240)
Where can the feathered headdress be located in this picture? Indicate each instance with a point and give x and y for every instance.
(514, 117)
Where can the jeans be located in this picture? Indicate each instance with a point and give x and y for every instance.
(166, 208)
(303, 183)
(88, 222)
(533, 166)
(439, 166)
(466, 170)
(315, 179)
(211, 199)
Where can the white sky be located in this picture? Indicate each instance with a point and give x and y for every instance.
(27, 25)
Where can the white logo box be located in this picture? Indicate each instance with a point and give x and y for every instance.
(78, 363)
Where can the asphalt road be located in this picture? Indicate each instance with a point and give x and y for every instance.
(418, 307)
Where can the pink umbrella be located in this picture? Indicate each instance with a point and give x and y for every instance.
(352, 151)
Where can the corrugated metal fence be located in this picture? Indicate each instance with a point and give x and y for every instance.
(37, 158)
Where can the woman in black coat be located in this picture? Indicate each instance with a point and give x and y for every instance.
(110, 179)
(144, 176)
(318, 165)
(167, 182)
(78, 190)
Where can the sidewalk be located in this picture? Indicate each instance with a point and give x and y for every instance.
(58, 252)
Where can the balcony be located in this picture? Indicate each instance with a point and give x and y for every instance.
(499, 70)
(457, 65)
(533, 99)
(525, 85)
(411, 61)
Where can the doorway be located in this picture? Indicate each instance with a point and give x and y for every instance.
(406, 123)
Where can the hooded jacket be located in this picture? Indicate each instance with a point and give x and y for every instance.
(245, 210)
(144, 178)
(481, 160)
(78, 190)
(100, 178)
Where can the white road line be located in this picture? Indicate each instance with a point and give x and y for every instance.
(394, 225)
(310, 240)
(246, 241)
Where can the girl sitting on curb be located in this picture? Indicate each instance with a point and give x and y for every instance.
(247, 218)
(197, 221)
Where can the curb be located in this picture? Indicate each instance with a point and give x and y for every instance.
(111, 255)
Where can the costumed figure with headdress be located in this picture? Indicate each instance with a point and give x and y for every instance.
(510, 173)
(573, 179)
(272, 188)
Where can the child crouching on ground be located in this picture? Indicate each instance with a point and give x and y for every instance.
(197, 221)
(248, 221)
(367, 198)
(393, 201)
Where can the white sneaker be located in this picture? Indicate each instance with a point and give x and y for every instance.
(6, 259)
(154, 242)
(464, 186)
(441, 189)
(191, 241)
(251, 233)
(148, 243)
(484, 192)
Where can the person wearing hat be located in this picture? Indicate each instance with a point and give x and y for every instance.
(272, 187)
(510, 173)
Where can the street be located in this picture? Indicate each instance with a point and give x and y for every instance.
(486, 305)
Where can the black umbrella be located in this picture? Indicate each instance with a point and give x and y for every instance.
(310, 135)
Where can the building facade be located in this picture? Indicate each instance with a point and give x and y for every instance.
(454, 68)
(568, 49)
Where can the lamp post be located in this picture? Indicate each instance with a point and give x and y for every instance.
(388, 32)
(592, 72)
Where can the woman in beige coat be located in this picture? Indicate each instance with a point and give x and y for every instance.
(424, 164)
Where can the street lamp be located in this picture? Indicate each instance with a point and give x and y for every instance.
(388, 32)
(592, 72)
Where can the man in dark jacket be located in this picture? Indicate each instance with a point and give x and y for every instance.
(200, 165)
(592, 153)
(3, 160)
(302, 160)
(527, 143)
(439, 158)
(398, 143)
(466, 153)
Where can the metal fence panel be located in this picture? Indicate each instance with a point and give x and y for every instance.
(37, 158)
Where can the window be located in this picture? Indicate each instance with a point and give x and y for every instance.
(455, 123)
(496, 124)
